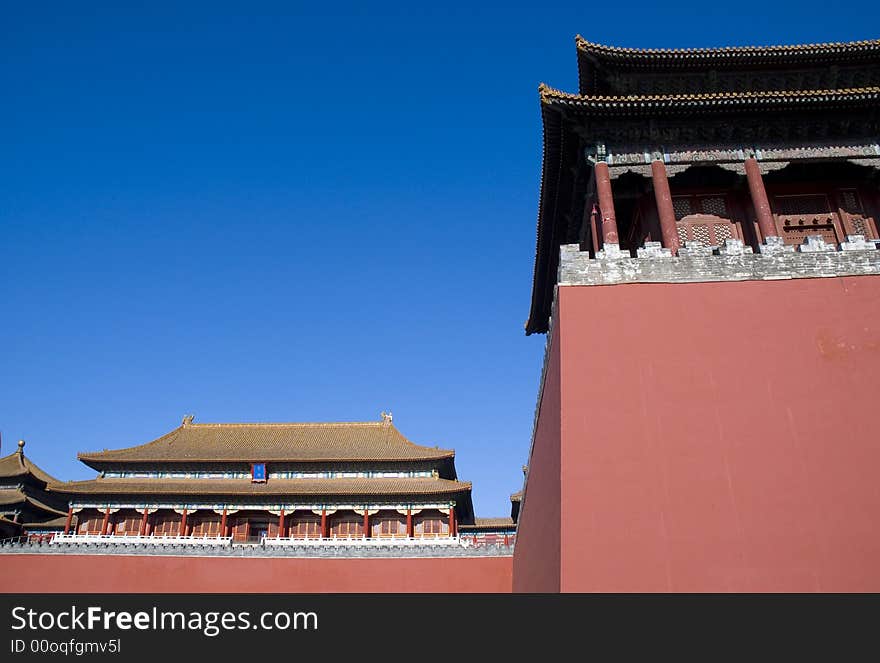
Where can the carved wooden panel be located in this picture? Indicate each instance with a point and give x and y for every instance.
(709, 229)
(801, 215)
(853, 216)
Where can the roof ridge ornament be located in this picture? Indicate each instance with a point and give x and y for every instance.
(187, 420)
(387, 418)
(21, 447)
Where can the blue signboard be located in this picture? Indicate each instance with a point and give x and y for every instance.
(258, 471)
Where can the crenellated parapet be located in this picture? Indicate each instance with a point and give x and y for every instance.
(733, 261)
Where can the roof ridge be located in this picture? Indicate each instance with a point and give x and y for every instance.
(302, 441)
(284, 423)
(862, 44)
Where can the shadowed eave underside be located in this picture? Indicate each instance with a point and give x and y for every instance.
(274, 487)
(708, 102)
(11, 497)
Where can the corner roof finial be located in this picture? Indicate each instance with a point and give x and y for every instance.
(386, 418)
(188, 419)
(21, 447)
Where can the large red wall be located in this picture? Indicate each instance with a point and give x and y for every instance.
(129, 573)
(536, 565)
(714, 437)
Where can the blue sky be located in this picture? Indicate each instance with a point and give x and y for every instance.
(272, 212)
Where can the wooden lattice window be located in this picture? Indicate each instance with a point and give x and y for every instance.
(347, 525)
(305, 526)
(390, 525)
(205, 525)
(90, 522)
(704, 218)
(432, 523)
(707, 229)
(166, 523)
(240, 529)
(685, 205)
(126, 523)
(853, 216)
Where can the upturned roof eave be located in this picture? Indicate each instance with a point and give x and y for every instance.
(552, 98)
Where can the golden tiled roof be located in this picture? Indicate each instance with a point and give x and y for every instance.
(274, 487)
(17, 464)
(489, 523)
(10, 496)
(552, 96)
(493, 522)
(732, 52)
(306, 442)
(516, 497)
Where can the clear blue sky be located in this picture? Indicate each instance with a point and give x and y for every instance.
(283, 213)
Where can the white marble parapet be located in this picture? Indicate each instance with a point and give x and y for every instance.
(199, 547)
(142, 540)
(858, 243)
(816, 244)
(773, 245)
(363, 541)
(652, 250)
(611, 252)
(732, 262)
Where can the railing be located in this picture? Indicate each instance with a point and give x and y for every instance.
(438, 539)
(441, 540)
(155, 540)
(13, 540)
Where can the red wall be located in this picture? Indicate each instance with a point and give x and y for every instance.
(714, 437)
(121, 573)
(536, 564)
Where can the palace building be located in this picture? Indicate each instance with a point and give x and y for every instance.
(728, 150)
(270, 482)
(26, 506)
(706, 273)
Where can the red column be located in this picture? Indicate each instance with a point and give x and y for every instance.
(223, 523)
(106, 521)
(452, 521)
(759, 199)
(281, 524)
(148, 530)
(325, 531)
(409, 524)
(664, 206)
(182, 530)
(367, 523)
(143, 530)
(69, 518)
(606, 204)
